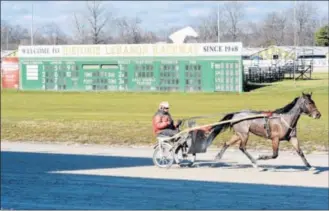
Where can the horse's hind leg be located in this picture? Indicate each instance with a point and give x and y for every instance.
(295, 144)
(275, 147)
(243, 148)
(227, 144)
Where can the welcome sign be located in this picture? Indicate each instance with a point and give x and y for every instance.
(133, 50)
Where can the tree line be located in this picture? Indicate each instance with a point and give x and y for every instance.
(298, 24)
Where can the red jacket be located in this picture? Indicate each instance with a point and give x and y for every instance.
(162, 120)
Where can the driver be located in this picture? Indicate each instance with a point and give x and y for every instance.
(163, 123)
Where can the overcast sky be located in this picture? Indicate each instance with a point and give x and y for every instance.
(155, 15)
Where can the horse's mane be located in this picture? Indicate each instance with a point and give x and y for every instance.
(286, 108)
(282, 110)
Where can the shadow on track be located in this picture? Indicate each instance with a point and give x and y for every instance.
(276, 168)
(26, 184)
(44, 162)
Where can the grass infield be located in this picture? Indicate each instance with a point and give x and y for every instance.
(125, 118)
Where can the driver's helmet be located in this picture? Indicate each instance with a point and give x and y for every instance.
(164, 105)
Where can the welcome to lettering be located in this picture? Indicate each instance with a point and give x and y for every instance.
(35, 50)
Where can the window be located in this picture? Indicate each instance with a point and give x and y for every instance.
(168, 67)
(312, 57)
(218, 66)
(110, 66)
(193, 67)
(144, 67)
(90, 66)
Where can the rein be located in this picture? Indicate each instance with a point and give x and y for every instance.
(204, 116)
(285, 122)
(213, 124)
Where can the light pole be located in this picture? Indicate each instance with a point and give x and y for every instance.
(218, 33)
(32, 26)
(295, 40)
(7, 30)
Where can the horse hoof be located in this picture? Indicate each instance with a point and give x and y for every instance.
(217, 159)
(311, 168)
(255, 166)
(262, 169)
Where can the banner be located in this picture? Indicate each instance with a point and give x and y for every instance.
(133, 50)
(10, 73)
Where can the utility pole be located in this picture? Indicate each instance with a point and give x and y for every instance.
(7, 30)
(32, 26)
(295, 40)
(218, 30)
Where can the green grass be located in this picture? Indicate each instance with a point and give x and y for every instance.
(125, 118)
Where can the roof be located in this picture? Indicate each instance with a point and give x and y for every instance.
(304, 50)
(7, 53)
(250, 51)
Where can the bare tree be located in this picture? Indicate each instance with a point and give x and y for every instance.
(234, 13)
(150, 37)
(80, 31)
(250, 30)
(324, 21)
(274, 28)
(5, 31)
(210, 31)
(305, 19)
(93, 23)
(164, 34)
(129, 30)
(53, 34)
(12, 35)
(97, 20)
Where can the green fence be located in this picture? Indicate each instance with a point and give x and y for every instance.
(130, 73)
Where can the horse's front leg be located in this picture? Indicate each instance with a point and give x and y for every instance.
(295, 143)
(275, 147)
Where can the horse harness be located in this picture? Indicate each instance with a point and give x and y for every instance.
(268, 115)
(267, 123)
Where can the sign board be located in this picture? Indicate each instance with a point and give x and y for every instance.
(10, 73)
(132, 75)
(184, 67)
(132, 50)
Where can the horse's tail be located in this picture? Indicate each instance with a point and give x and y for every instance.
(222, 127)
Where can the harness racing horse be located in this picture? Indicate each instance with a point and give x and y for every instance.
(279, 125)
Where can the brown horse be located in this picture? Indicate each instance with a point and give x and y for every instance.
(279, 125)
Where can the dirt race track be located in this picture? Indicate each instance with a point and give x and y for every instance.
(58, 176)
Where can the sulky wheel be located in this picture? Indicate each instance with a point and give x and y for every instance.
(184, 160)
(163, 157)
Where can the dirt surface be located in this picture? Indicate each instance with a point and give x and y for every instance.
(58, 176)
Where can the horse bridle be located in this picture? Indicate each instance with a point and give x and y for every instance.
(305, 108)
(302, 109)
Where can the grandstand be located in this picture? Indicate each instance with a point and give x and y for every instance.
(276, 62)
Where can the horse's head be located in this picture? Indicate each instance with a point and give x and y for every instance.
(308, 106)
